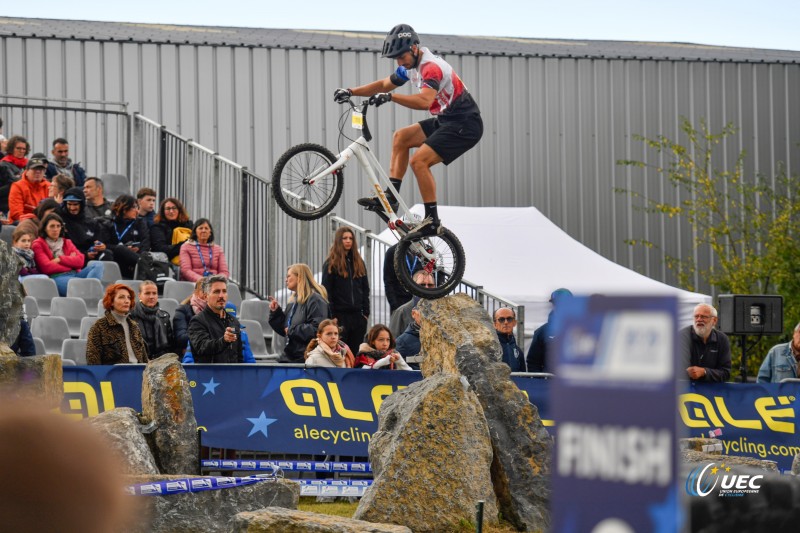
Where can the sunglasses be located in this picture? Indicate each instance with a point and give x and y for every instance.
(504, 319)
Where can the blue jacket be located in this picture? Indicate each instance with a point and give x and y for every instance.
(408, 344)
(778, 364)
(537, 353)
(512, 354)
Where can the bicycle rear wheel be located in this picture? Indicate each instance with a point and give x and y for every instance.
(290, 187)
(446, 267)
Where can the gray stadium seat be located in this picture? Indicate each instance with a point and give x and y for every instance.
(31, 308)
(86, 323)
(71, 308)
(67, 362)
(115, 185)
(74, 349)
(39, 343)
(101, 311)
(169, 305)
(111, 272)
(43, 290)
(90, 290)
(256, 337)
(178, 289)
(234, 295)
(257, 310)
(132, 283)
(53, 330)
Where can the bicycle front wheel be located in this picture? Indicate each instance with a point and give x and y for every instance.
(445, 268)
(293, 194)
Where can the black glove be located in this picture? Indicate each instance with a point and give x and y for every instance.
(342, 95)
(380, 99)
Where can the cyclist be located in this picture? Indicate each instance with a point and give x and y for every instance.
(455, 127)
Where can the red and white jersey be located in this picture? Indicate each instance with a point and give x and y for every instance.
(437, 74)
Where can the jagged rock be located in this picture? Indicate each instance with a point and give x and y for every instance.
(701, 444)
(207, 511)
(274, 519)
(38, 378)
(167, 401)
(122, 431)
(796, 465)
(430, 458)
(692, 457)
(458, 337)
(10, 295)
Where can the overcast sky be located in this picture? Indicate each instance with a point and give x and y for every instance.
(755, 24)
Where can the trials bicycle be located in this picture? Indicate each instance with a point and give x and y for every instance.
(307, 183)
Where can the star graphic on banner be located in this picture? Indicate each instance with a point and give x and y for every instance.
(260, 424)
(714, 470)
(211, 387)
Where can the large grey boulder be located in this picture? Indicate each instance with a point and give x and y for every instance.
(10, 295)
(431, 458)
(36, 378)
(167, 401)
(122, 432)
(274, 519)
(459, 338)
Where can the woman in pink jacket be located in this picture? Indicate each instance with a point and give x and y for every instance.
(199, 256)
(57, 257)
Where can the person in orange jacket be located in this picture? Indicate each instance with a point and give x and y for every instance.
(32, 188)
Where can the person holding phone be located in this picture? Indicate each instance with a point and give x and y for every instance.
(214, 334)
(129, 237)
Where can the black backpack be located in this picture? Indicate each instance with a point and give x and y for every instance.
(148, 268)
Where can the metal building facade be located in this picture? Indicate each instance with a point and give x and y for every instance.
(555, 122)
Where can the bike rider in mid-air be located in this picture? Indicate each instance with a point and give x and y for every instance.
(455, 127)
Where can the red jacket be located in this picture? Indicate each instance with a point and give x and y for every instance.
(71, 260)
(24, 196)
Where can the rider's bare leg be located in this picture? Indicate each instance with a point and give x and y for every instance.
(421, 162)
(403, 141)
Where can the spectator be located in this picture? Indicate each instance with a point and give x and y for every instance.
(45, 207)
(28, 191)
(326, 349)
(60, 163)
(408, 343)
(214, 335)
(89, 235)
(11, 166)
(146, 200)
(59, 185)
(396, 294)
(189, 307)
(155, 324)
(172, 228)
(200, 257)
(129, 236)
(401, 318)
(344, 276)
(308, 307)
(115, 338)
(781, 361)
(537, 359)
(96, 203)
(57, 257)
(379, 351)
(505, 320)
(702, 345)
(21, 241)
(247, 351)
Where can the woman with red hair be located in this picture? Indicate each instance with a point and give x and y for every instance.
(115, 337)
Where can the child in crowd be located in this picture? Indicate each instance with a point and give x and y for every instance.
(326, 349)
(21, 241)
(378, 351)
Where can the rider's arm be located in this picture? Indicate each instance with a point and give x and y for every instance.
(380, 86)
(421, 100)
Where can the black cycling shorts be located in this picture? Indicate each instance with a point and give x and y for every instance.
(454, 136)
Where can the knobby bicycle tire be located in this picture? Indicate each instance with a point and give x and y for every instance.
(295, 197)
(447, 273)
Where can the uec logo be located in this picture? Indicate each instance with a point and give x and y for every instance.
(702, 482)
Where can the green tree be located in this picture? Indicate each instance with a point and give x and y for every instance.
(750, 225)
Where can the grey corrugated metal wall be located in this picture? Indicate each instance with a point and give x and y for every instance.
(555, 127)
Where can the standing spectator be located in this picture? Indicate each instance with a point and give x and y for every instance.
(344, 276)
(505, 320)
(326, 349)
(60, 163)
(408, 343)
(21, 241)
(59, 185)
(89, 235)
(57, 257)
(706, 352)
(782, 360)
(11, 166)
(189, 307)
(379, 351)
(308, 307)
(146, 200)
(96, 203)
(115, 337)
(401, 317)
(172, 228)
(129, 236)
(396, 294)
(215, 335)
(538, 351)
(27, 192)
(200, 257)
(155, 324)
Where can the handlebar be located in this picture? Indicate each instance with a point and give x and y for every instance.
(363, 110)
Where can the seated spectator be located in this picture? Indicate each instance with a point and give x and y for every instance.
(45, 207)
(326, 349)
(96, 204)
(401, 317)
(408, 343)
(247, 351)
(379, 351)
(115, 338)
(29, 190)
(60, 163)
(21, 241)
(308, 306)
(129, 236)
(200, 257)
(57, 257)
(537, 358)
(505, 320)
(189, 307)
(781, 361)
(11, 166)
(172, 228)
(146, 200)
(59, 185)
(705, 351)
(89, 235)
(214, 334)
(155, 324)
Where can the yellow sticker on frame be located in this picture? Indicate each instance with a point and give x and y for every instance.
(358, 120)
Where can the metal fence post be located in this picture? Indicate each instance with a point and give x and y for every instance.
(520, 311)
(368, 263)
(162, 162)
(244, 212)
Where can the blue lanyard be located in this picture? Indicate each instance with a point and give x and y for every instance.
(121, 235)
(210, 255)
(291, 314)
(409, 265)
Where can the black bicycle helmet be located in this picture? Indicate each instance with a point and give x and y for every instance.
(399, 40)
